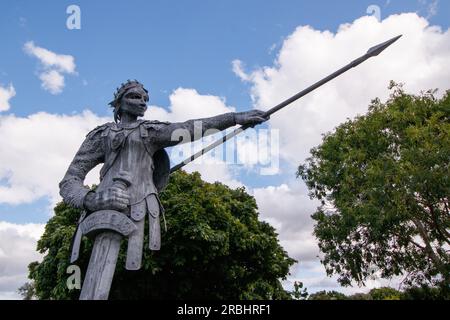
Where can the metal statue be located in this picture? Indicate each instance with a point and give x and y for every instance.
(135, 169)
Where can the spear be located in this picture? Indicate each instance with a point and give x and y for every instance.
(372, 52)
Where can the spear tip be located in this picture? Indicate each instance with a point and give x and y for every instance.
(376, 50)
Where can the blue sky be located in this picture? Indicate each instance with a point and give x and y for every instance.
(164, 44)
(176, 44)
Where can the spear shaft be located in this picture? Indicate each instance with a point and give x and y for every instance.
(372, 52)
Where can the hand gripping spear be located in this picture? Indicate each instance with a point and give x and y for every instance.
(372, 52)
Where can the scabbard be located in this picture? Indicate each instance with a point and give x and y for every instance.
(76, 239)
(75, 245)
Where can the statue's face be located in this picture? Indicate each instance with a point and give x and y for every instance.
(134, 102)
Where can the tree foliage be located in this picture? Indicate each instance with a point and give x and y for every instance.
(327, 295)
(27, 291)
(424, 292)
(385, 293)
(299, 292)
(214, 248)
(383, 180)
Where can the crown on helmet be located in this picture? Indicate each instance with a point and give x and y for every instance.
(124, 87)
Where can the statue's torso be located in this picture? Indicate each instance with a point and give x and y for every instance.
(132, 156)
(128, 150)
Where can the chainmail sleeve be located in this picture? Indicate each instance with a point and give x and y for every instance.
(90, 154)
(171, 134)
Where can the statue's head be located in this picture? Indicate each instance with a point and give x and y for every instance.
(130, 98)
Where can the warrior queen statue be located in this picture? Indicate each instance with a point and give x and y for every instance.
(135, 168)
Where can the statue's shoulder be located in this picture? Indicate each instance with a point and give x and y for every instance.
(154, 124)
(100, 129)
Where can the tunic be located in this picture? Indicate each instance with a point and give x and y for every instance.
(129, 149)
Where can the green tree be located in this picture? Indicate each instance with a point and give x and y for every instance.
(300, 292)
(383, 180)
(424, 292)
(27, 291)
(214, 248)
(327, 295)
(360, 296)
(385, 293)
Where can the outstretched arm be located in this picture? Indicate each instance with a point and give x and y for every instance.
(188, 131)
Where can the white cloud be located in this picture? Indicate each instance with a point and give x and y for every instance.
(37, 157)
(52, 81)
(312, 274)
(239, 70)
(40, 147)
(289, 210)
(54, 66)
(421, 59)
(49, 59)
(214, 166)
(17, 250)
(188, 104)
(37, 151)
(6, 93)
